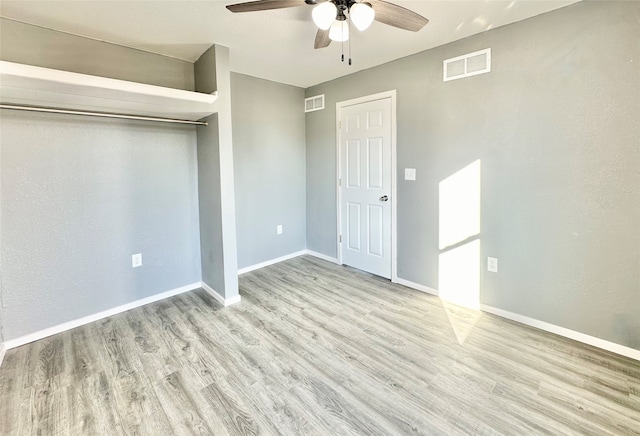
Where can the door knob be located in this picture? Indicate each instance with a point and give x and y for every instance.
(384, 198)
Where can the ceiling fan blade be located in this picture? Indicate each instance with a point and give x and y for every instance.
(397, 16)
(264, 5)
(322, 39)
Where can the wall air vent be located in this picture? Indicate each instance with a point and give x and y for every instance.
(314, 103)
(471, 64)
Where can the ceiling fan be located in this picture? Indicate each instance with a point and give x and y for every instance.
(333, 16)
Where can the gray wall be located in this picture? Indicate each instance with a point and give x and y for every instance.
(33, 45)
(79, 196)
(1, 300)
(1, 328)
(269, 162)
(555, 125)
(216, 175)
(209, 203)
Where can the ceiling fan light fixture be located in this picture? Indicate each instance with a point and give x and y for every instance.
(324, 15)
(339, 31)
(362, 15)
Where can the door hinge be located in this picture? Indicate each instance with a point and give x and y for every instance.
(339, 125)
(340, 182)
(340, 238)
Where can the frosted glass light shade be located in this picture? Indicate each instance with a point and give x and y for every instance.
(362, 15)
(324, 15)
(339, 31)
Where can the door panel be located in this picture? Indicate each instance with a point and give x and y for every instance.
(365, 156)
(375, 118)
(353, 122)
(353, 228)
(375, 162)
(375, 222)
(353, 164)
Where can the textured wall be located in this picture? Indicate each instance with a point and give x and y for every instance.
(555, 126)
(79, 197)
(216, 177)
(1, 326)
(1, 300)
(269, 153)
(209, 204)
(33, 45)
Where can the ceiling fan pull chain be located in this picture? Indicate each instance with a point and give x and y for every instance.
(350, 41)
(329, 17)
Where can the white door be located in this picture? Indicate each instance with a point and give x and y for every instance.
(365, 184)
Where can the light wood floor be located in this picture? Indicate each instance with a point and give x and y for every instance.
(314, 349)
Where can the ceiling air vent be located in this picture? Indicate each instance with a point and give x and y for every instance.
(314, 103)
(478, 62)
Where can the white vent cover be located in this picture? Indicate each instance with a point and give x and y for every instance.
(314, 103)
(471, 64)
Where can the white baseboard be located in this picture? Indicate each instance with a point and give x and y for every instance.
(41, 334)
(3, 350)
(417, 286)
(282, 259)
(567, 333)
(270, 262)
(321, 256)
(219, 298)
(551, 328)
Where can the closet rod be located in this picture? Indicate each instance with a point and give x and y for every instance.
(99, 114)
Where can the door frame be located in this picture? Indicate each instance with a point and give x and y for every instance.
(394, 205)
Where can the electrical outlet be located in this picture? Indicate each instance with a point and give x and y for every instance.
(492, 264)
(279, 229)
(409, 173)
(136, 260)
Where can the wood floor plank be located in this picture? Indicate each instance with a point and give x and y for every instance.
(310, 377)
(350, 366)
(576, 403)
(187, 410)
(121, 359)
(241, 336)
(11, 390)
(138, 407)
(315, 349)
(156, 358)
(235, 375)
(97, 395)
(82, 358)
(232, 410)
(350, 360)
(41, 361)
(265, 392)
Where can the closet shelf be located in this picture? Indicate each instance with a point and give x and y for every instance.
(36, 86)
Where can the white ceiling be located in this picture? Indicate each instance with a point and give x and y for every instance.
(275, 45)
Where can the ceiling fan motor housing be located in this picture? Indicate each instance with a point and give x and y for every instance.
(335, 13)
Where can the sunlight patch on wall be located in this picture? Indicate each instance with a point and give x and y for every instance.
(459, 275)
(459, 237)
(459, 208)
